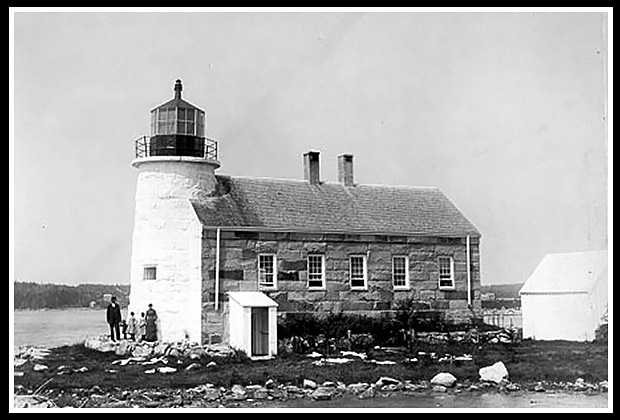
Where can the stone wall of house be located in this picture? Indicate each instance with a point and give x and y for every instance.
(239, 252)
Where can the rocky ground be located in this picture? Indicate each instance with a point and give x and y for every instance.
(104, 374)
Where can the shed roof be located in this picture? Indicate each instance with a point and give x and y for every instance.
(574, 272)
(297, 205)
(252, 299)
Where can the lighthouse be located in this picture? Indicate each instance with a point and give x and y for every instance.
(176, 166)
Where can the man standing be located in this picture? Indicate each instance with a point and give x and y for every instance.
(113, 315)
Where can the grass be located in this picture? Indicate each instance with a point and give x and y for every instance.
(527, 362)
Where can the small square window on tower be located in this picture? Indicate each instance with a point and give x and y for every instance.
(150, 272)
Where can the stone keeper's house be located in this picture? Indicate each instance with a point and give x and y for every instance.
(221, 257)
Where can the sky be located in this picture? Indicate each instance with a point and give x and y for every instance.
(504, 112)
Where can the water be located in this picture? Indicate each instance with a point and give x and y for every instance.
(518, 400)
(58, 327)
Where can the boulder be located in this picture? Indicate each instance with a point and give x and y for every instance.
(309, 384)
(539, 387)
(193, 366)
(160, 349)
(32, 401)
(494, 373)
(439, 388)
(39, 368)
(238, 392)
(322, 394)
(357, 388)
(270, 384)
(385, 380)
(142, 351)
(197, 353)
(369, 393)
(443, 379)
(166, 369)
(124, 348)
(211, 394)
(260, 394)
(100, 343)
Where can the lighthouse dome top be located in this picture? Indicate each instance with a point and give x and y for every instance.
(177, 116)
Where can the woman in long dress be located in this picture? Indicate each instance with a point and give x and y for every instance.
(151, 324)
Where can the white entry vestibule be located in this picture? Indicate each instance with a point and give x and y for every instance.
(253, 323)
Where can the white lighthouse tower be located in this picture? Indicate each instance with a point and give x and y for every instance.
(175, 164)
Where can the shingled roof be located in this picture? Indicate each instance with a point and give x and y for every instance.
(297, 205)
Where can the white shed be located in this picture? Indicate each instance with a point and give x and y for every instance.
(565, 297)
(253, 323)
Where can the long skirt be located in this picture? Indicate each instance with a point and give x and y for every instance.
(151, 331)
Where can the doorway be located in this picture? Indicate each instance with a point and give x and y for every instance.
(260, 331)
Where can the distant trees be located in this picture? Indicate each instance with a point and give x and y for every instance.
(29, 295)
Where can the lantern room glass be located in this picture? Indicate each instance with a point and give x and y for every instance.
(183, 121)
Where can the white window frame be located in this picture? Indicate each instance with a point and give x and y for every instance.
(322, 279)
(364, 272)
(261, 272)
(400, 286)
(146, 268)
(444, 278)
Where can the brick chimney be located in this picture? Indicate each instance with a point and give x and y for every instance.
(345, 170)
(312, 173)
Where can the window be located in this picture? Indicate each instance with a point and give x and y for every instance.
(267, 271)
(446, 272)
(150, 272)
(357, 271)
(400, 272)
(316, 271)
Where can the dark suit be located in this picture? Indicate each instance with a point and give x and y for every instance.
(113, 315)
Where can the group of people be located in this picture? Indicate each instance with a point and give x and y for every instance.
(142, 329)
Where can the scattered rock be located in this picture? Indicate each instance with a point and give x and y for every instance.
(142, 351)
(211, 364)
(32, 401)
(100, 343)
(443, 379)
(197, 353)
(603, 386)
(354, 354)
(539, 387)
(160, 349)
(83, 369)
(385, 380)
(17, 362)
(512, 387)
(211, 394)
(368, 393)
(309, 384)
(260, 394)
(270, 384)
(124, 348)
(39, 368)
(18, 374)
(166, 369)
(439, 388)
(193, 366)
(322, 394)
(357, 388)
(238, 392)
(494, 373)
